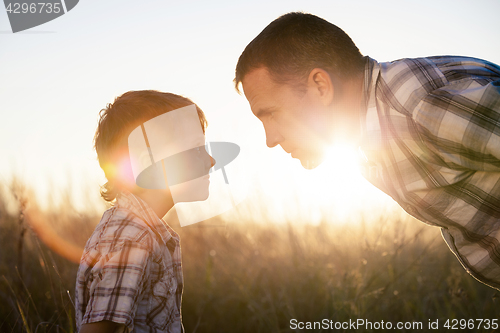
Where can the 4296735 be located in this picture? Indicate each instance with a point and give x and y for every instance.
(40, 7)
(461, 324)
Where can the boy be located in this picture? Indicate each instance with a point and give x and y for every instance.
(130, 275)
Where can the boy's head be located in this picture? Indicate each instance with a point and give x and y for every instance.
(117, 121)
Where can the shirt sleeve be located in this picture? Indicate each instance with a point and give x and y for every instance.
(116, 284)
(460, 123)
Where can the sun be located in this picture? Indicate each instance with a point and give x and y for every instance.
(333, 192)
(343, 159)
(334, 188)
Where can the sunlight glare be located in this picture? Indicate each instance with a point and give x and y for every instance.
(335, 187)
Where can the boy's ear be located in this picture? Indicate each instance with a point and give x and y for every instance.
(321, 84)
(119, 168)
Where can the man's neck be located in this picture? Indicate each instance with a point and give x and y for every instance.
(347, 111)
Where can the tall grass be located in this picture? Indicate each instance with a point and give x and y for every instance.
(256, 277)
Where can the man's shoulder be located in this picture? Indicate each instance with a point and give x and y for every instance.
(403, 83)
(436, 71)
(412, 72)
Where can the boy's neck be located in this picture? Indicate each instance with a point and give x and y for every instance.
(160, 201)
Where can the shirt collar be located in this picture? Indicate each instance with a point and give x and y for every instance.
(139, 207)
(370, 126)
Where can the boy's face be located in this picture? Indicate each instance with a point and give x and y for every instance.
(188, 171)
(168, 152)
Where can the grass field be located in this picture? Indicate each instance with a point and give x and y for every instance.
(258, 277)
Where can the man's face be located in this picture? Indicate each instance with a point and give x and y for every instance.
(297, 121)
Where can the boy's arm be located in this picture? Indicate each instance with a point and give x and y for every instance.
(104, 326)
(117, 284)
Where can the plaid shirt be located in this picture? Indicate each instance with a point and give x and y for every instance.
(130, 272)
(431, 140)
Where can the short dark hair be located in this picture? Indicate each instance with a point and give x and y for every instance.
(117, 121)
(296, 43)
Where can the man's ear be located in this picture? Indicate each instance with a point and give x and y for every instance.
(321, 84)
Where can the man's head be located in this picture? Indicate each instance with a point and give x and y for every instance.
(293, 73)
(117, 121)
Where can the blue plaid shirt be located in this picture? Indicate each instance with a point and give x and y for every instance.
(431, 140)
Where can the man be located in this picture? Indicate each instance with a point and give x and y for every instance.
(428, 128)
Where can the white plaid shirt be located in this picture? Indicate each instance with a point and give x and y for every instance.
(130, 272)
(431, 140)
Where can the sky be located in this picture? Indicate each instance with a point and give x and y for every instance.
(55, 78)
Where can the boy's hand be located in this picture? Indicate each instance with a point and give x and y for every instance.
(49, 236)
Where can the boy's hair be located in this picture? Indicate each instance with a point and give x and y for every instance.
(117, 121)
(296, 43)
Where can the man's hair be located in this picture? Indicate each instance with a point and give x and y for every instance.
(296, 43)
(117, 121)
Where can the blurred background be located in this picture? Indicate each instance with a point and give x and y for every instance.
(303, 244)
